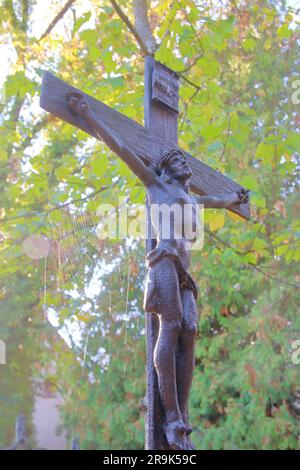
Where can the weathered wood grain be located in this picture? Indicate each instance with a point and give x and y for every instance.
(148, 143)
(161, 121)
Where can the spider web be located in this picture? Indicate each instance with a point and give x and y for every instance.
(76, 247)
(75, 240)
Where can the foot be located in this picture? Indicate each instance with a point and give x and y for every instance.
(190, 443)
(188, 431)
(176, 435)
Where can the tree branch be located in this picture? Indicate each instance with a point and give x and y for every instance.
(142, 26)
(189, 67)
(16, 109)
(35, 129)
(252, 265)
(54, 208)
(129, 25)
(141, 30)
(274, 278)
(25, 13)
(186, 107)
(14, 118)
(198, 87)
(57, 18)
(8, 4)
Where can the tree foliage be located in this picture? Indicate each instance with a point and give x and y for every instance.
(238, 62)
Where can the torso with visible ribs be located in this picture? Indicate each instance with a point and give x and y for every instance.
(174, 218)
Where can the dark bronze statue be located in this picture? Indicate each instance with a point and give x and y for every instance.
(170, 291)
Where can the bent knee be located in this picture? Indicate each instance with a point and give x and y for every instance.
(189, 330)
(169, 334)
(173, 326)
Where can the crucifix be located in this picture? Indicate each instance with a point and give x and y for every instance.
(168, 174)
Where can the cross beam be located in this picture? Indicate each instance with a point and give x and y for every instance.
(205, 180)
(149, 143)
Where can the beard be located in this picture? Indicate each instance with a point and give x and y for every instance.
(184, 175)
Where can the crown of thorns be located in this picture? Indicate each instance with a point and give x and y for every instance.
(167, 157)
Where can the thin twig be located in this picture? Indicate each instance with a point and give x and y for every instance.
(130, 26)
(274, 278)
(186, 106)
(227, 137)
(253, 266)
(189, 67)
(56, 207)
(190, 82)
(57, 18)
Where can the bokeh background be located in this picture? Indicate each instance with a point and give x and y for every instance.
(71, 315)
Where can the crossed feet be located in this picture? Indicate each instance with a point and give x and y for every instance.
(178, 435)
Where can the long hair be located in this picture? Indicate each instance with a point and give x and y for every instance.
(166, 158)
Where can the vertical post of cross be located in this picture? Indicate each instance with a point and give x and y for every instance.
(161, 118)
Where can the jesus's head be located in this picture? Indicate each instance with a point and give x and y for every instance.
(175, 164)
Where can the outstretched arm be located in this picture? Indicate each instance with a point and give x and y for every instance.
(213, 202)
(78, 105)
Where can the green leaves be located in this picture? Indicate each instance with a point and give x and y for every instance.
(215, 219)
(284, 32)
(80, 21)
(18, 84)
(215, 146)
(249, 44)
(90, 37)
(293, 141)
(236, 115)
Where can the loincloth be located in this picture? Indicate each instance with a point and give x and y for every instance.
(185, 280)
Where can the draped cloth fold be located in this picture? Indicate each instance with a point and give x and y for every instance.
(152, 301)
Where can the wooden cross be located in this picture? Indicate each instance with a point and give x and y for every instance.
(149, 142)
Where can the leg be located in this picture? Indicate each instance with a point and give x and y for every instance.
(185, 355)
(165, 289)
(165, 364)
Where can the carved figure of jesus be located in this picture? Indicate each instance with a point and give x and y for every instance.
(170, 291)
